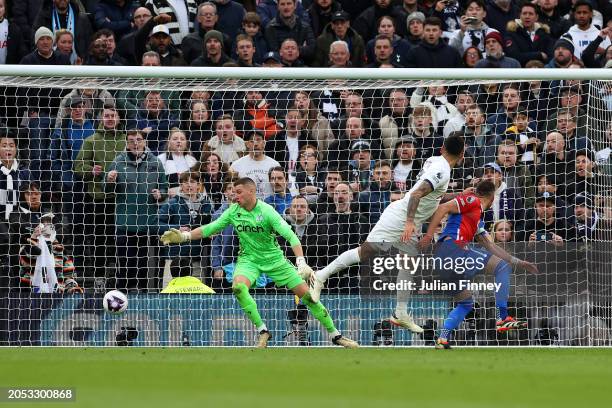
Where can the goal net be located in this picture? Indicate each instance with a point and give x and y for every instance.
(96, 166)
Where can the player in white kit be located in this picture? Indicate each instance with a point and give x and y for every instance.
(400, 226)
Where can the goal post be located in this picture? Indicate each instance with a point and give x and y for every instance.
(349, 142)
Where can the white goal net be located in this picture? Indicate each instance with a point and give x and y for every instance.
(95, 168)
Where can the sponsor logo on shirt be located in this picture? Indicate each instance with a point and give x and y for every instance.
(251, 229)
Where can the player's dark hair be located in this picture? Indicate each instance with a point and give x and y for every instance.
(454, 144)
(245, 181)
(485, 188)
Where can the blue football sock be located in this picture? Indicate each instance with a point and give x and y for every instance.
(456, 316)
(502, 276)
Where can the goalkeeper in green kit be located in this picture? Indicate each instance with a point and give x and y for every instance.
(256, 224)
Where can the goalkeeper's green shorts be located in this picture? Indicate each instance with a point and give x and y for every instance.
(283, 273)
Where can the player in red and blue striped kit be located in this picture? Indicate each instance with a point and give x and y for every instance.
(463, 225)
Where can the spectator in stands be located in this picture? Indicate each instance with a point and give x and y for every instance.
(480, 143)
(44, 53)
(339, 55)
(471, 56)
(299, 216)
(137, 178)
(182, 16)
(414, 22)
(456, 122)
(194, 45)
(269, 9)
(314, 122)
(383, 54)
(126, 47)
(429, 142)
(527, 39)
(93, 161)
(65, 147)
(563, 54)
(353, 107)
(231, 14)
(548, 183)
(360, 166)
(550, 14)
(199, 127)
(321, 13)
(590, 56)
(285, 146)
(545, 225)
(496, 58)
(588, 181)
(502, 231)
(115, 15)
(229, 146)
(405, 164)
(472, 28)
(507, 203)
(309, 178)
(98, 55)
(177, 159)
(448, 13)
(570, 98)
(44, 263)
(584, 31)
(24, 14)
(380, 193)
(280, 198)
(64, 43)
(26, 217)
(434, 96)
(245, 51)
(386, 28)
(289, 53)
(256, 164)
(325, 202)
(339, 29)
(111, 45)
(524, 137)
(155, 120)
(367, 22)
(188, 209)
(58, 14)
(433, 52)
(155, 36)
(224, 248)
(213, 55)
(556, 160)
(338, 231)
(12, 174)
(339, 151)
(12, 43)
(251, 26)
(516, 175)
(288, 24)
(500, 13)
(94, 101)
(213, 171)
(575, 139)
(503, 118)
(256, 114)
(589, 223)
(397, 122)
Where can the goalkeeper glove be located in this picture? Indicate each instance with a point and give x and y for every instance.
(304, 270)
(174, 236)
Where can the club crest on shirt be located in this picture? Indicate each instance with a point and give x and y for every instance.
(470, 199)
(259, 218)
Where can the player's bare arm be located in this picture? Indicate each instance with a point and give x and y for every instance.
(450, 207)
(421, 191)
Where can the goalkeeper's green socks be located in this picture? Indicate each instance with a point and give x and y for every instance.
(247, 303)
(320, 313)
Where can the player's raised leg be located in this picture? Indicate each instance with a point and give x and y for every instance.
(343, 261)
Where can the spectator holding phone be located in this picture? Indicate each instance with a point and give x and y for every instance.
(546, 225)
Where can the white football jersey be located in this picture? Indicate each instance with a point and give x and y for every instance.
(436, 171)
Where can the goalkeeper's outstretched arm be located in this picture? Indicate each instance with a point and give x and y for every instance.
(175, 236)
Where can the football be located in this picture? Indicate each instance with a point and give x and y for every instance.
(115, 302)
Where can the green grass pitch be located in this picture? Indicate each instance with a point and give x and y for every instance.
(314, 378)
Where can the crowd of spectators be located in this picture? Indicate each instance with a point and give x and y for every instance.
(113, 169)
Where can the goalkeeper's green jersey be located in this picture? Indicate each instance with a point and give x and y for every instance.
(256, 229)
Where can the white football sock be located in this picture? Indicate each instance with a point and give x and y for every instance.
(403, 295)
(343, 261)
